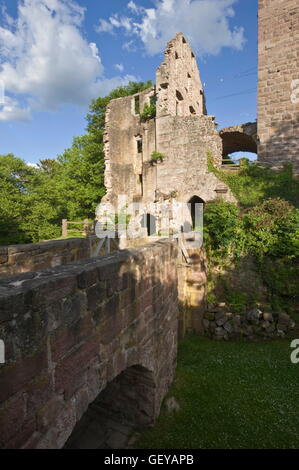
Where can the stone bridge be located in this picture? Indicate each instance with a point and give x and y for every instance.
(100, 330)
(240, 138)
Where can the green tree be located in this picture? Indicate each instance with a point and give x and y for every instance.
(15, 178)
(35, 200)
(97, 109)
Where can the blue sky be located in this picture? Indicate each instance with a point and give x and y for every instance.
(56, 55)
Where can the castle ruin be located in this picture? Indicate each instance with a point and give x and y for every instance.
(181, 132)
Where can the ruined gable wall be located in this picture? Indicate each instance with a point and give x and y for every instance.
(278, 102)
(179, 73)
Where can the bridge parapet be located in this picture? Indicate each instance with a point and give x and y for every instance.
(70, 330)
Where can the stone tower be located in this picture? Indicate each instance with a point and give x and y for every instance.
(278, 100)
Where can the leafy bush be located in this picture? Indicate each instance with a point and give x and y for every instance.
(149, 111)
(222, 226)
(272, 228)
(157, 156)
(237, 301)
(253, 184)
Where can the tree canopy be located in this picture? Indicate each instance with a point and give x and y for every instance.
(33, 201)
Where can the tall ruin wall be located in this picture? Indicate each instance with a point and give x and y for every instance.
(278, 94)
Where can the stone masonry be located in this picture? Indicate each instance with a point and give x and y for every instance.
(278, 100)
(15, 259)
(185, 137)
(71, 330)
(181, 131)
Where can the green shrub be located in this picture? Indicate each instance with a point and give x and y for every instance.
(149, 111)
(222, 227)
(237, 301)
(272, 228)
(253, 184)
(157, 156)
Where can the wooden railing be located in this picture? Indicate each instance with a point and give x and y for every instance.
(88, 227)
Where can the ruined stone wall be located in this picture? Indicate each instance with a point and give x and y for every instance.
(179, 88)
(123, 155)
(70, 330)
(192, 289)
(16, 259)
(186, 142)
(278, 101)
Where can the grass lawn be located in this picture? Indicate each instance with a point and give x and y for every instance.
(232, 395)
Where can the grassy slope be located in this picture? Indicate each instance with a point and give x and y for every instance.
(232, 395)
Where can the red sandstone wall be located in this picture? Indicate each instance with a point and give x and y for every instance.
(15, 259)
(71, 330)
(278, 102)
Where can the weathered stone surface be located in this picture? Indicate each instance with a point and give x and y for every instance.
(16, 259)
(221, 321)
(268, 317)
(82, 338)
(284, 319)
(220, 331)
(252, 325)
(254, 315)
(228, 327)
(278, 98)
(220, 316)
(241, 138)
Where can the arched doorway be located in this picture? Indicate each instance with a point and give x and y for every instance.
(196, 206)
(124, 406)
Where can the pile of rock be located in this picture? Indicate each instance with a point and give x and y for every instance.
(219, 323)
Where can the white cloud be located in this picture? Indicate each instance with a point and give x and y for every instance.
(45, 60)
(10, 110)
(119, 67)
(104, 26)
(206, 23)
(129, 46)
(135, 8)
